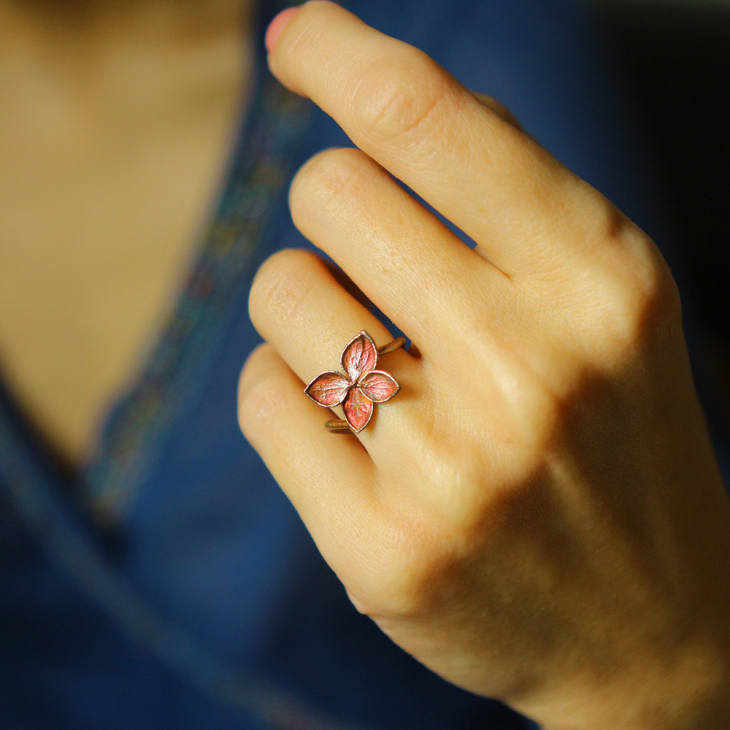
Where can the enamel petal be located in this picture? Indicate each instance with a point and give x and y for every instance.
(358, 409)
(329, 388)
(359, 356)
(378, 386)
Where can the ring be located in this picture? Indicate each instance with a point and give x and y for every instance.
(360, 388)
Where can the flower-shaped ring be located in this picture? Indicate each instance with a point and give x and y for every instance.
(360, 388)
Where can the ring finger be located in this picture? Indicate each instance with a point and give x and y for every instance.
(297, 305)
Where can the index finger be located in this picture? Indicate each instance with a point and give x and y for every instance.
(408, 113)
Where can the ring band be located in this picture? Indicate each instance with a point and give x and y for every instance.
(392, 346)
(360, 387)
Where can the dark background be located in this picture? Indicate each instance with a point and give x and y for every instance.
(676, 60)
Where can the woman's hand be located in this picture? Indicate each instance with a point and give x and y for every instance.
(538, 515)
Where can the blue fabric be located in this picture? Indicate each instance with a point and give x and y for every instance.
(171, 584)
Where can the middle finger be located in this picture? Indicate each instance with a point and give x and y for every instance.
(400, 255)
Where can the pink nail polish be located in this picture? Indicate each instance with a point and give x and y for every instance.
(276, 26)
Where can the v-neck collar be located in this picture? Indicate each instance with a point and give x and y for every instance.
(142, 418)
(172, 373)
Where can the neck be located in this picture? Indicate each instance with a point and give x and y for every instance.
(116, 124)
(136, 97)
(184, 18)
(76, 39)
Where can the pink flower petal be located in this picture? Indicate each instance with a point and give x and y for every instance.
(358, 409)
(378, 386)
(359, 356)
(329, 388)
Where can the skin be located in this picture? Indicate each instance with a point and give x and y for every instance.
(537, 515)
(116, 127)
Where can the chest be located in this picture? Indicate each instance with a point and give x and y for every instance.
(105, 186)
(96, 237)
(74, 330)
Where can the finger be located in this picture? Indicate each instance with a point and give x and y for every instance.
(323, 475)
(415, 119)
(398, 253)
(297, 306)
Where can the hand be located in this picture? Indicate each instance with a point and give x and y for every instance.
(537, 516)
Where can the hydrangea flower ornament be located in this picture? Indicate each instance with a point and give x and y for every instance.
(360, 387)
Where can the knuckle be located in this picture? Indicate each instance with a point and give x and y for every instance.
(539, 412)
(419, 552)
(328, 182)
(397, 580)
(402, 99)
(259, 395)
(259, 406)
(653, 304)
(628, 295)
(281, 288)
(406, 589)
(612, 225)
(644, 301)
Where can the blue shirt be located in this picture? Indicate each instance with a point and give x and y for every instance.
(170, 583)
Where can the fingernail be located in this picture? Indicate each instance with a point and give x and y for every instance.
(276, 26)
